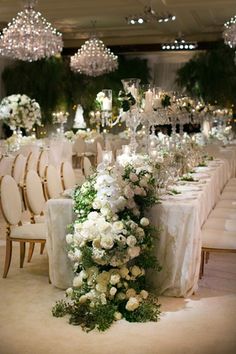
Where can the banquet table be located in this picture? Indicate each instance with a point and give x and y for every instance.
(180, 218)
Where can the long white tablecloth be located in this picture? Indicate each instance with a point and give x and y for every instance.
(180, 218)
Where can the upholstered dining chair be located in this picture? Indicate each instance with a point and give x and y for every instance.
(31, 162)
(43, 161)
(35, 202)
(18, 169)
(79, 147)
(53, 185)
(17, 231)
(67, 175)
(99, 153)
(88, 170)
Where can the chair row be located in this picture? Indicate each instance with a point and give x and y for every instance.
(219, 231)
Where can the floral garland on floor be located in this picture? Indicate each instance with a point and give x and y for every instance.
(111, 248)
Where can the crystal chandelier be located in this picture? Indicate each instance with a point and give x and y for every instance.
(229, 33)
(94, 59)
(29, 37)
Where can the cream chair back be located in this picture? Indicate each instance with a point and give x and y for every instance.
(99, 153)
(18, 168)
(79, 146)
(34, 193)
(43, 161)
(67, 175)
(10, 200)
(87, 167)
(6, 163)
(32, 161)
(53, 182)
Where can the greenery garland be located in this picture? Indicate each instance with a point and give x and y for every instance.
(111, 247)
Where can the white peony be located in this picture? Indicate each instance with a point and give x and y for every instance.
(144, 294)
(134, 251)
(131, 241)
(132, 304)
(133, 177)
(115, 278)
(144, 222)
(117, 316)
(77, 281)
(113, 291)
(69, 238)
(136, 271)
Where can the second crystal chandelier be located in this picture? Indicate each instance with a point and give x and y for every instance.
(94, 59)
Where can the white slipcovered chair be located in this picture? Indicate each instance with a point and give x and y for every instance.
(53, 185)
(6, 163)
(88, 170)
(16, 231)
(18, 169)
(67, 175)
(99, 153)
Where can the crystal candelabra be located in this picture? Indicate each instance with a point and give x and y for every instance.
(133, 115)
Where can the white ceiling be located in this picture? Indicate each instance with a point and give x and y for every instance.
(199, 20)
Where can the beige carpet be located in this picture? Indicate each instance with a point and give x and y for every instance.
(204, 323)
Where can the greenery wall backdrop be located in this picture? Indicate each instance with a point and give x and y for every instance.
(56, 87)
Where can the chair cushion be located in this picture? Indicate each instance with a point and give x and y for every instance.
(218, 239)
(29, 231)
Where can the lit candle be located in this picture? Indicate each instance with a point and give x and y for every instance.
(148, 101)
(106, 104)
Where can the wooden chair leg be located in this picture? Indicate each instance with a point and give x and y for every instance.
(7, 257)
(42, 246)
(207, 256)
(31, 251)
(22, 254)
(202, 265)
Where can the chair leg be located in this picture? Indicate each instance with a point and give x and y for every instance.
(7, 257)
(31, 251)
(42, 246)
(22, 254)
(207, 256)
(202, 265)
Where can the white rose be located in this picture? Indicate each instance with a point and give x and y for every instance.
(121, 240)
(133, 177)
(83, 299)
(128, 192)
(115, 278)
(144, 294)
(133, 251)
(107, 242)
(77, 255)
(136, 271)
(103, 299)
(69, 292)
(117, 316)
(118, 226)
(113, 291)
(140, 232)
(93, 215)
(132, 304)
(130, 293)
(124, 271)
(77, 281)
(138, 190)
(101, 288)
(130, 204)
(144, 222)
(69, 238)
(105, 211)
(131, 241)
(143, 182)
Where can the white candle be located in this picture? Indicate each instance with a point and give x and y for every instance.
(106, 104)
(148, 101)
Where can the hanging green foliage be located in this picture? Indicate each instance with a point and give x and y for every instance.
(211, 75)
(55, 86)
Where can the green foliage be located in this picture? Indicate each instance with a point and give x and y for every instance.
(211, 75)
(60, 309)
(147, 311)
(55, 86)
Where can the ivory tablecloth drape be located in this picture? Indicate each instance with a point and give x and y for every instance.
(179, 246)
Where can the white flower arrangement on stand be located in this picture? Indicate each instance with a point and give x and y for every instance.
(110, 245)
(20, 111)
